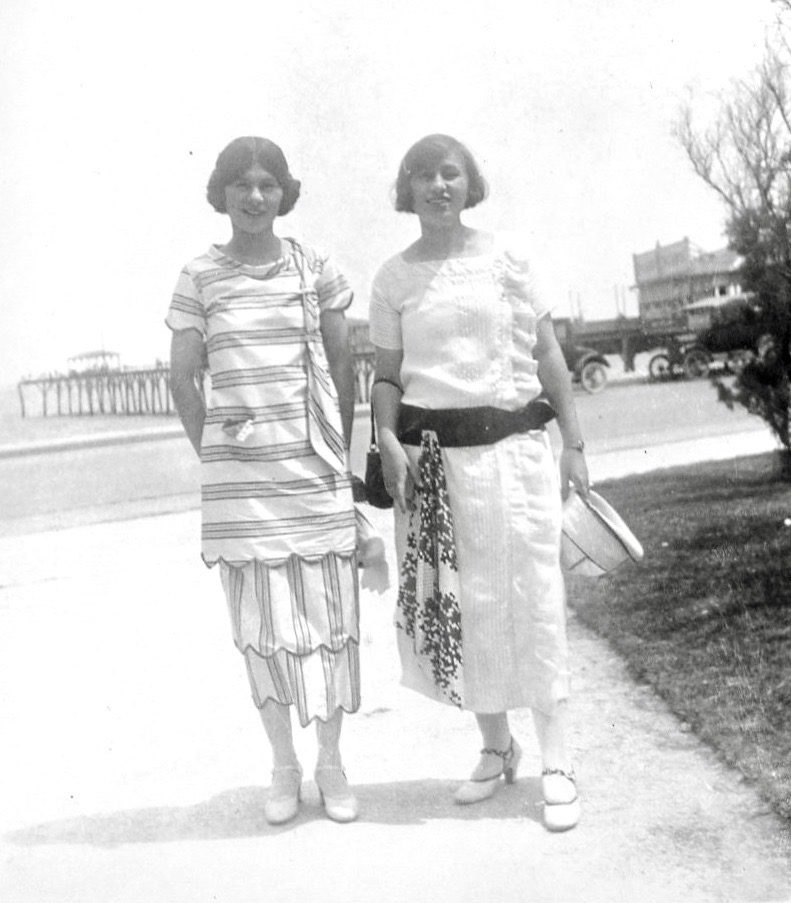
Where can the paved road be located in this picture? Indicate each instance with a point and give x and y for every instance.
(159, 476)
(630, 415)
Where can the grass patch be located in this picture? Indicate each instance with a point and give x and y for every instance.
(705, 619)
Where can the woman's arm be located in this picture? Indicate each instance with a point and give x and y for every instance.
(335, 335)
(386, 398)
(186, 367)
(556, 382)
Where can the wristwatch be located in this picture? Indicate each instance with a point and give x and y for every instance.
(579, 446)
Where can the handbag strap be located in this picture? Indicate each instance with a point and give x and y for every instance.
(390, 382)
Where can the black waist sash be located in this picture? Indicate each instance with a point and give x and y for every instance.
(457, 427)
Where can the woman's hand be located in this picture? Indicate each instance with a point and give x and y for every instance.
(396, 469)
(573, 469)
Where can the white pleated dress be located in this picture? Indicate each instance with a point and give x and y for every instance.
(467, 327)
(277, 506)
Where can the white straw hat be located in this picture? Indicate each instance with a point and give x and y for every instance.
(594, 539)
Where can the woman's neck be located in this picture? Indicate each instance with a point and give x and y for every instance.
(440, 243)
(254, 249)
(443, 239)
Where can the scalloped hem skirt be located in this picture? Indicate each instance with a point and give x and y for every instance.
(296, 622)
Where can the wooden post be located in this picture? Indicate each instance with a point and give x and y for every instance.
(156, 393)
(144, 405)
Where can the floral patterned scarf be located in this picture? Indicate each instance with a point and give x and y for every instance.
(428, 600)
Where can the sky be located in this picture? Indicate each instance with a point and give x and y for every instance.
(113, 115)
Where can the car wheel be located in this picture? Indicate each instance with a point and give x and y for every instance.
(659, 368)
(696, 364)
(593, 377)
(766, 348)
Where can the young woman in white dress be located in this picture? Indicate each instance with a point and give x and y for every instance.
(466, 359)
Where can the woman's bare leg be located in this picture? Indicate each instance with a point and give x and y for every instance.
(496, 734)
(551, 730)
(558, 785)
(339, 802)
(282, 804)
(328, 734)
(276, 719)
(499, 758)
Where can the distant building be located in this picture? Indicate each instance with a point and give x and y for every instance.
(670, 276)
(94, 362)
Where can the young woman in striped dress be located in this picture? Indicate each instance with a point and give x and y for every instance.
(464, 348)
(266, 316)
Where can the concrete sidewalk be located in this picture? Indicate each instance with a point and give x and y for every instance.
(91, 440)
(135, 767)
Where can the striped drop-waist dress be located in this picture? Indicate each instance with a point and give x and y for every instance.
(277, 509)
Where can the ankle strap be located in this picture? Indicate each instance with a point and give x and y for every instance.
(569, 775)
(503, 754)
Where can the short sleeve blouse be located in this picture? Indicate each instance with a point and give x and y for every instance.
(466, 326)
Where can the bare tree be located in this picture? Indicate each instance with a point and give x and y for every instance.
(745, 156)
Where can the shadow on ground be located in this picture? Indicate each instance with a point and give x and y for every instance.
(239, 813)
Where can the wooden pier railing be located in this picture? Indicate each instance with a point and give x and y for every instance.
(127, 392)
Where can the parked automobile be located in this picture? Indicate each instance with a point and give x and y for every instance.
(723, 329)
(735, 324)
(588, 367)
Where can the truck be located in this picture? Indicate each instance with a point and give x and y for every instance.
(585, 345)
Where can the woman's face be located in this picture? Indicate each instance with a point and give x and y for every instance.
(440, 190)
(253, 200)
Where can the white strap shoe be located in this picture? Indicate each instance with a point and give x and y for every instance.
(483, 784)
(561, 802)
(339, 802)
(284, 794)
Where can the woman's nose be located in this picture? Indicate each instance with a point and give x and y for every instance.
(255, 193)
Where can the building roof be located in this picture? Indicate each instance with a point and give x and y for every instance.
(682, 260)
(723, 261)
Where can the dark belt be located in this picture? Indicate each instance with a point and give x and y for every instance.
(457, 427)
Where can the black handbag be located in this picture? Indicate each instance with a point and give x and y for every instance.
(375, 492)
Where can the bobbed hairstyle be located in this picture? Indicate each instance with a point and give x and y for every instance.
(238, 157)
(427, 153)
